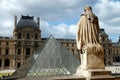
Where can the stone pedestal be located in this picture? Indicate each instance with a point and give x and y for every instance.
(97, 74)
(92, 57)
(92, 64)
(92, 73)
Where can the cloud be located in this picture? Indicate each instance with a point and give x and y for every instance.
(62, 12)
(59, 17)
(10, 8)
(53, 10)
(6, 28)
(109, 17)
(58, 31)
(108, 12)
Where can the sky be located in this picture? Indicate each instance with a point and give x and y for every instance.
(59, 17)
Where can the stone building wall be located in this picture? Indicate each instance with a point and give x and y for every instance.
(7, 53)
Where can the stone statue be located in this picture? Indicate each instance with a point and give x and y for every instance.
(87, 38)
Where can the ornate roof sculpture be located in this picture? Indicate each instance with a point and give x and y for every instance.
(53, 59)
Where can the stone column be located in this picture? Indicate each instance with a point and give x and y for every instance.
(13, 63)
(22, 51)
(10, 66)
(3, 63)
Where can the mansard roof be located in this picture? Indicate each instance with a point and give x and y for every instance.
(27, 21)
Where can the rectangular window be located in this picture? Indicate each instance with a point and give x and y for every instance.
(0, 51)
(7, 43)
(28, 36)
(7, 51)
(19, 51)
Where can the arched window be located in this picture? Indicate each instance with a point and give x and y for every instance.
(0, 63)
(19, 35)
(7, 63)
(28, 36)
(36, 36)
(27, 51)
(0, 51)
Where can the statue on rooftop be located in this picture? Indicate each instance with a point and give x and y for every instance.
(87, 39)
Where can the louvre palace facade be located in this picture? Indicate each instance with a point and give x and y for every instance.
(14, 51)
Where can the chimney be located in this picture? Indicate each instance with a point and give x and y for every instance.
(119, 39)
(15, 21)
(38, 21)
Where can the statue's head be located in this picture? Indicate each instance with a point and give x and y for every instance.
(88, 12)
(87, 8)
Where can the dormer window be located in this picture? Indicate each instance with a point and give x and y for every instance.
(19, 35)
(28, 36)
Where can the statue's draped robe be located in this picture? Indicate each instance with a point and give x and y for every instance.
(87, 31)
(91, 52)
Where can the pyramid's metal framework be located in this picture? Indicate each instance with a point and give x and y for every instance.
(52, 59)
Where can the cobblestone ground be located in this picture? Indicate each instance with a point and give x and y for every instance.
(62, 78)
(67, 77)
(36, 78)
